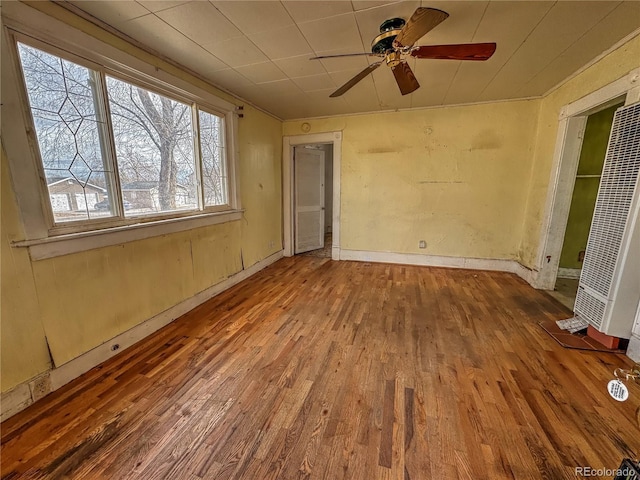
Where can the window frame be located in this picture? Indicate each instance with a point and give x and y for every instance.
(34, 29)
(111, 161)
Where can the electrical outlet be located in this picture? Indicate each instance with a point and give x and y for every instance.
(40, 387)
(422, 244)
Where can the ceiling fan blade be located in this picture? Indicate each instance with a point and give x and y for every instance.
(422, 21)
(355, 79)
(465, 51)
(405, 78)
(369, 54)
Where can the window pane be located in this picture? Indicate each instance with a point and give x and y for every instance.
(154, 147)
(63, 99)
(214, 171)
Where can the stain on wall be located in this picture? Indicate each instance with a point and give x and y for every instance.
(455, 177)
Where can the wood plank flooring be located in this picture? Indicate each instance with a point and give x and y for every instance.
(315, 369)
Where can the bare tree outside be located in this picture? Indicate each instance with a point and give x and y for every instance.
(154, 143)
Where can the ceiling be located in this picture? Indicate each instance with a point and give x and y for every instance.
(260, 50)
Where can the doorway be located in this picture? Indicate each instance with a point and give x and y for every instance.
(583, 201)
(571, 126)
(330, 143)
(313, 202)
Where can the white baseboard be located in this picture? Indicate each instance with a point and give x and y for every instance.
(633, 350)
(24, 394)
(497, 264)
(572, 273)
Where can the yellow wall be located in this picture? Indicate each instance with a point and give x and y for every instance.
(260, 185)
(23, 348)
(612, 67)
(76, 302)
(455, 177)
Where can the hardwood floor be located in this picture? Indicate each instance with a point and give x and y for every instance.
(339, 370)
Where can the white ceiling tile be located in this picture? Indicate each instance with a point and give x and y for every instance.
(281, 88)
(255, 17)
(539, 44)
(339, 32)
(435, 77)
(112, 12)
(230, 79)
(565, 23)
(255, 95)
(284, 110)
(507, 24)
(611, 29)
(201, 61)
(364, 4)
(237, 52)
(201, 22)
(164, 39)
(282, 43)
(159, 5)
(363, 96)
(315, 82)
(262, 72)
(305, 11)
(300, 66)
(318, 104)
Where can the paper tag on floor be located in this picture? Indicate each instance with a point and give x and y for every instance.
(618, 390)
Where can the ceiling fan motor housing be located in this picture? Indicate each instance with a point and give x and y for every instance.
(389, 30)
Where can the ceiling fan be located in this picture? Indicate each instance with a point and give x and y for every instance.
(397, 39)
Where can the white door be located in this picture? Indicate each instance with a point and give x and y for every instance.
(308, 167)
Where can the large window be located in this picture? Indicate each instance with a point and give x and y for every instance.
(113, 150)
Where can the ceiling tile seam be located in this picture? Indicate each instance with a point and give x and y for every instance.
(111, 30)
(321, 18)
(568, 47)
(364, 49)
(455, 75)
(133, 18)
(517, 49)
(160, 10)
(300, 91)
(593, 61)
(391, 2)
(305, 39)
(190, 40)
(269, 60)
(299, 31)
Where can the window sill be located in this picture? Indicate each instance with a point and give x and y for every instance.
(55, 246)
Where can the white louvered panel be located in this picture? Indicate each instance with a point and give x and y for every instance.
(617, 186)
(589, 307)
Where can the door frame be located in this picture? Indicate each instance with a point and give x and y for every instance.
(571, 125)
(288, 142)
